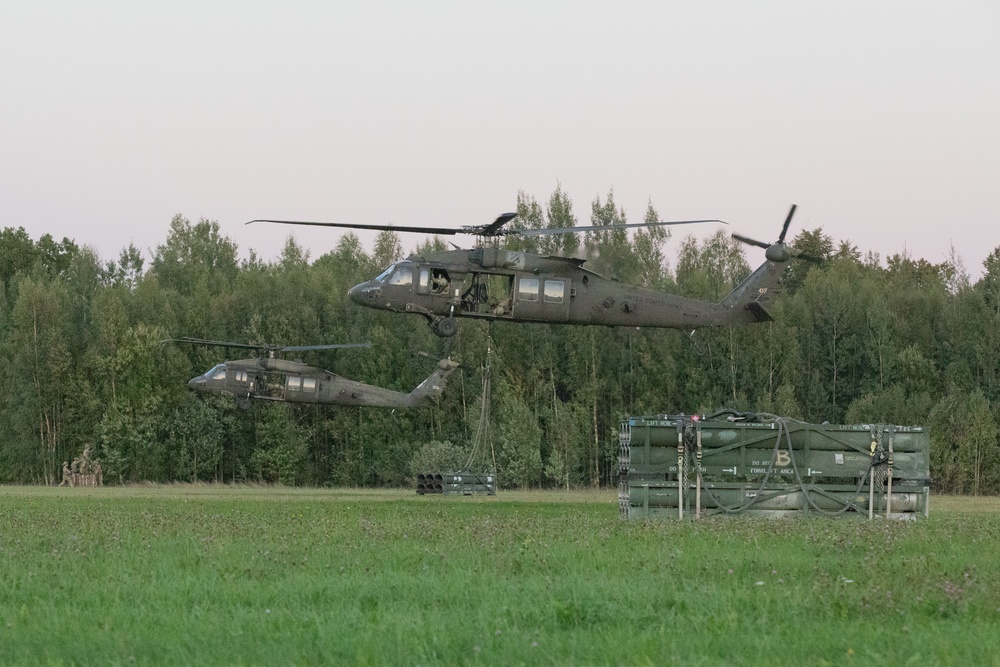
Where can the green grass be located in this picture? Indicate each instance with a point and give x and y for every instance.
(206, 575)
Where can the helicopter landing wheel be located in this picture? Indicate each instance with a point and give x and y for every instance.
(446, 327)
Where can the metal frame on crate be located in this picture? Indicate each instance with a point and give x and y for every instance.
(734, 463)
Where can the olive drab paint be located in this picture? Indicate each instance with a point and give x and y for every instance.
(677, 466)
(270, 378)
(493, 284)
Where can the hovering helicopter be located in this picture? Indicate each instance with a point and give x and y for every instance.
(270, 378)
(490, 283)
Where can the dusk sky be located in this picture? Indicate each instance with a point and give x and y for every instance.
(881, 120)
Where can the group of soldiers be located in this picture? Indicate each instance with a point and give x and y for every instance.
(83, 471)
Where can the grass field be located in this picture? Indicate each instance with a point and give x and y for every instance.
(245, 575)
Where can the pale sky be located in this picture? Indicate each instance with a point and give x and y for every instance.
(881, 120)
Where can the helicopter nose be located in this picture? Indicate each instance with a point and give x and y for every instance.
(196, 383)
(364, 293)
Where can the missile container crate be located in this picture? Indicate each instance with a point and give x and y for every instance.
(676, 466)
(461, 483)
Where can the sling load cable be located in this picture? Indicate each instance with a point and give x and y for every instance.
(680, 469)
(888, 495)
(697, 497)
(483, 435)
(845, 504)
(871, 477)
(738, 509)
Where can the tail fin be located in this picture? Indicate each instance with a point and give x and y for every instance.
(432, 387)
(752, 298)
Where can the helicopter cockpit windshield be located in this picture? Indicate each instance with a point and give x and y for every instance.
(380, 278)
(211, 380)
(400, 273)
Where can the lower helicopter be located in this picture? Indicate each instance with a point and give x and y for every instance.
(270, 378)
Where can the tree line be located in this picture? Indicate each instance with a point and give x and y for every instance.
(855, 339)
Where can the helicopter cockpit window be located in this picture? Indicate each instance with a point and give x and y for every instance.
(218, 373)
(554, 290)
(403, 275)
(527, 289)
(380, 278)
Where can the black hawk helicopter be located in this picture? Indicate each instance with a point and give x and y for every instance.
(490, 283)
(270, 378)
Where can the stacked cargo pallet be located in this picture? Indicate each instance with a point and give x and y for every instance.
(463, 483)
(678, 466)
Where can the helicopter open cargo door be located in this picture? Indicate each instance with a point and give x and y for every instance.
(542, 299)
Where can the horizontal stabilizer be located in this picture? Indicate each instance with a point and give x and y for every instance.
(759, 312)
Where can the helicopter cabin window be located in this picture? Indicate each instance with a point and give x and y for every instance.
(527, 289)
(294, 383)
(403, 275)
(432, 280)
(241, 376)
(308, 384)
(554, 290)
(439, 281)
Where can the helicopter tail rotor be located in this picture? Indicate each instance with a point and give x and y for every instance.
(778, 251)
(749, 241)
(788, 221)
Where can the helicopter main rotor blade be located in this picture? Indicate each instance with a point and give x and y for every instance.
(303, 348)
(264, 346)
(213, 343)
(599, 228)
(385, 228)
(493, 229)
